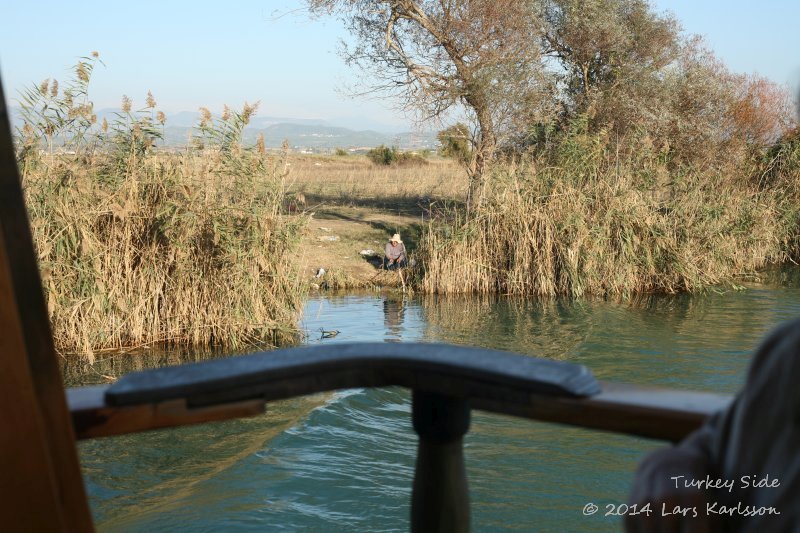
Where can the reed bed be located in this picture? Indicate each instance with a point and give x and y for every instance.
(141, 246)
(595, 222)
(186, 248)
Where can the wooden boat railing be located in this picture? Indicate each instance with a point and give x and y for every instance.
(42, 487)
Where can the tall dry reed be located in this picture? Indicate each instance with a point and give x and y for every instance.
(178, 249)
(139, 246)
(588, 220)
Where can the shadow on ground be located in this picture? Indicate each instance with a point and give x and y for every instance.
(410, 206)
(409, 233)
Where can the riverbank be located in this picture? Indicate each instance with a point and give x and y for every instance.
(185, 250)
(343, 246)
(591, 214)
(208, 248)
(547, 228)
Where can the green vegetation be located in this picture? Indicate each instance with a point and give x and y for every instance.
(383, 155)
(388, 156)
(455, 143)
(137, 246)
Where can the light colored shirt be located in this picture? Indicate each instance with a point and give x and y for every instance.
(395, 252)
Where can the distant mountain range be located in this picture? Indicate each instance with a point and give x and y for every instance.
(302, 134)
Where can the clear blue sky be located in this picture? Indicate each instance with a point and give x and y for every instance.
(192, 54)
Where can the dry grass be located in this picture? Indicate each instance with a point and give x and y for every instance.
(595, 226)
(177, 249)
(354, 180)
(363, 204)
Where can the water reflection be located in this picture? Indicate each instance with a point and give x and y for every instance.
(551, 328)
(393, 308)
(108, 366)
(701, 342)
(164, 478)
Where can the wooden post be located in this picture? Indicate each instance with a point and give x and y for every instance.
(41, 488)
(440, 494)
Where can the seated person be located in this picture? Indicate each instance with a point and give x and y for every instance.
(741, 469)
(395, 253)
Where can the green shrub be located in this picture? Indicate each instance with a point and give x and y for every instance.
(455, 143)
(383, 155)
(386, 156)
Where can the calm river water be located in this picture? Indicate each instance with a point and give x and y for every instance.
(344, 461)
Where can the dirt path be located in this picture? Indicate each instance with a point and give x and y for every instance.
(337, 235)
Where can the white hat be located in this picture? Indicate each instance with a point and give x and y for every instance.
(396, 238)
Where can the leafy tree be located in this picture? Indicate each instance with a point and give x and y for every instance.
(604, 45)
(761, 111)
(456, 143)
(531, 73)
(711, 117)
(627, 69)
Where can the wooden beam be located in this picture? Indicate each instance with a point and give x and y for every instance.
(652, 412)
(446, 369)
(41, 488)
(28, 483)
(92, 418)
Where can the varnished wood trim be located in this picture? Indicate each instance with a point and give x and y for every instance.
(32, 355)
(92, 418)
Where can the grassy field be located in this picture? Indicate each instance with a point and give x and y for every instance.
(586, 222)
(355, 181)
(355, 205)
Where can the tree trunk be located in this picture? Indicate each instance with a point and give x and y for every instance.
(484, 152)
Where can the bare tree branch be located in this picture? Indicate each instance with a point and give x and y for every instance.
(437, 54)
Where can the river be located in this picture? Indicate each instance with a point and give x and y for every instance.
(344, 461)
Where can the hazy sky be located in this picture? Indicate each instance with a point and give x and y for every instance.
(192, 54)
